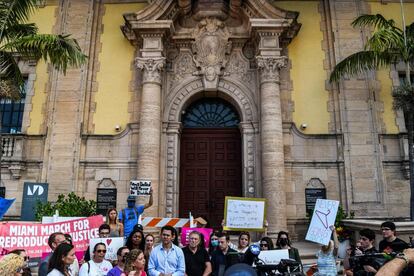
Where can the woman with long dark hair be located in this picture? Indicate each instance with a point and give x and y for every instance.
(61, 259)
(136, 240)
(283, 242)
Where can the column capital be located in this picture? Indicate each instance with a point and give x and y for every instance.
(152, 68)
(269, 67)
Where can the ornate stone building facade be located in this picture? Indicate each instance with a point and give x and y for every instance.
(190, 57)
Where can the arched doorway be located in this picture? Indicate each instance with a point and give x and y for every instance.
(210, 159)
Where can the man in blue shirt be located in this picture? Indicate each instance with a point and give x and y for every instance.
(129, 216)
(167, 259)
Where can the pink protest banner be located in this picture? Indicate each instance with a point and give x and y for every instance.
(33, 237)
(185, 232)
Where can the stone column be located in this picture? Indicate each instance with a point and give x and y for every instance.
(272, 141)
(150, 124)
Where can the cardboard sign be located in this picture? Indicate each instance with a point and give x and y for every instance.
(112, 246)
(32, 193)
(323, 217)
(273, 257)
(33, 237)
(247, 214)
(185, 232)
(140, 187)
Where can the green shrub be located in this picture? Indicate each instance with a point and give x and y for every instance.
(70, 206)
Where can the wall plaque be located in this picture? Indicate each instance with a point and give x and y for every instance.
(105, 199)
(311, 195)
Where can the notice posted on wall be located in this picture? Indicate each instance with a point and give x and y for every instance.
(323, 217)
(244, 214)
(140, 187)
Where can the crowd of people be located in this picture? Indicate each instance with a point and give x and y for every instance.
(141, 255)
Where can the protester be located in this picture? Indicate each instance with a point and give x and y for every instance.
(266, 243)
(244, 242)
(224, 256)
(121, 256)
(96, 266)
(149, 245)
(135, 263)
(74, 267)
(197, 260)
(129, 216)
(167, 258)
(12, 265)
(366, 266)
(283, 242)
(54, 240)
(61, 259)
(327, 256)
(398, 264)
(22, 253)
(391, 243)
(103, 232)
(213, 245)
(116, 227)
(136, 240)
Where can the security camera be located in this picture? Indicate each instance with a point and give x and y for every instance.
(117, 128)
(303, 126)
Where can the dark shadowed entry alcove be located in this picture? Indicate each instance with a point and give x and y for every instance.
(210, 159)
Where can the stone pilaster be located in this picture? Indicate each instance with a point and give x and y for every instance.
(272, 141)
(150, 122)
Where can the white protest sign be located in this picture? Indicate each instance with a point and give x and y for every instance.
(140, 187)
(112, 246)
(323, 217)
(241, 213)
(273, 256)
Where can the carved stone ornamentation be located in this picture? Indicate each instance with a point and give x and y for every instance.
(183, 68)
(152, 68)
(269, 67)
(238, 67)
(211, 49)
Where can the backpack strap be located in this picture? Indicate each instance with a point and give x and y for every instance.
(123, 216)
(89, 267)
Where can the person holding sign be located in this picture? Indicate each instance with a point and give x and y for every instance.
(283, 242)
(327, 256)
(129, 216)
(97, 266)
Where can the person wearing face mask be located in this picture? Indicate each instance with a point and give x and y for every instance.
(213, 245)
(283, 242)
(129, 216)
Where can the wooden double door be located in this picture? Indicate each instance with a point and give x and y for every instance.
(210, 169)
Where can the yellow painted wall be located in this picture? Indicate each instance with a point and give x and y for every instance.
(307, 73)
(44, 19)
(390, 10)
(115, 73)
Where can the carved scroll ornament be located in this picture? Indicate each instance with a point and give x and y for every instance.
(269, 67)
(152, 68)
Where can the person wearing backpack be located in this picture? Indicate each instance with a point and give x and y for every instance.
(97, 266)
(129, 216)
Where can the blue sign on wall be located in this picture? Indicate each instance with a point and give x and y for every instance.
(32, 193)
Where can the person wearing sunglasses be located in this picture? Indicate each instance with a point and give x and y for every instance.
(97, 266)
(121, 256)
(23, 253)
(266, 243)
(12, 265)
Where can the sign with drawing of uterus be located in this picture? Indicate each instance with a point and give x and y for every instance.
(323, 217)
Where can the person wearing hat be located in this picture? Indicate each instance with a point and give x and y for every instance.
(129, 216)
(390, 243)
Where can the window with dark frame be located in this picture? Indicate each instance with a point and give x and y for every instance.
(12, 113)
(402, 78)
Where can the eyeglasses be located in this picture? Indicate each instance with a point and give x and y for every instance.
(104, 233)
(27, 258)
(264, 245)
(385, 229)
(100, 251)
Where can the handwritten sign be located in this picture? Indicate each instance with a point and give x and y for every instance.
(185, 233)
(273, 257)
(241, 213)
(323, 217)
(140, 187)
(112, 246)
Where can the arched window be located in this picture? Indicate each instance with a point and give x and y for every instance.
(210, 113)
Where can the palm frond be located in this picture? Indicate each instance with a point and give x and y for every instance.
(373, 20)
(9, 90)
(60, 50)
(361, 62)
(385, 39)
(14, 11)
(9, 68)
(19, 30)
